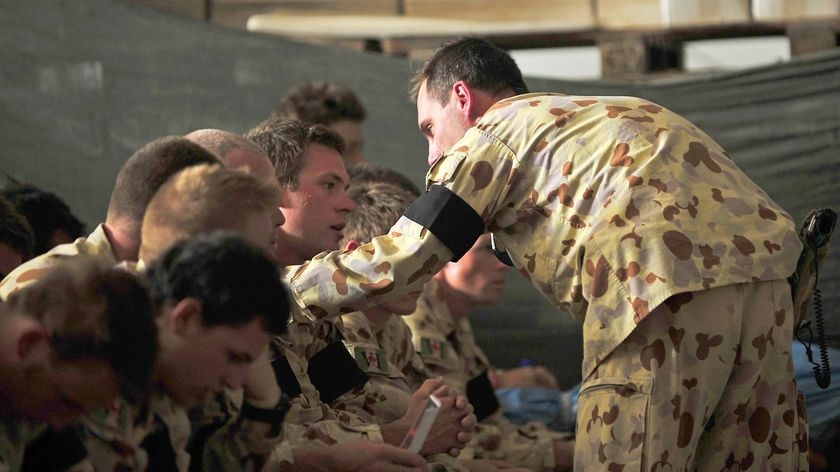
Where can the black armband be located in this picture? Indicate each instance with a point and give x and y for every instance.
(273, 416)
(448, 217)
(481, 395)
(333, 371)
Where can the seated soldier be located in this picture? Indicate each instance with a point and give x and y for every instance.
(443, 337)
(217, 299)
(70, 343)
(377, 337)
(118, 238)
(329, 393)
(230, 276)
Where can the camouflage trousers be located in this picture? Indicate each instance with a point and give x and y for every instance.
(705, 382)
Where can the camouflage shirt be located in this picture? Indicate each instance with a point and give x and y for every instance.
(449, 349)
(608, 205)
(96, 245)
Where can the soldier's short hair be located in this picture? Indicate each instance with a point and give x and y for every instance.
(145, 171)
(90, 309)
(234, 281)
(321, 102)
(367, 172)
(46, 214)
(199, 200)
(476, 61)
(222, 143)
(378, 206)
(15, 230)
(285, 141)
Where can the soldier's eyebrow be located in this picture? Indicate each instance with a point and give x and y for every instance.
(239, 357)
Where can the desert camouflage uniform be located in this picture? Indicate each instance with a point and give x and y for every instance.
(14, 436)
(308, 422)
(448, 348)
(385, 354)
(609, 206)
(303, 340)
(113, 436)
(96, 244)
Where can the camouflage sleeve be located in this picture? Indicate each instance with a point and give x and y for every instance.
(531, 446)
(242, 443)
(478, 174)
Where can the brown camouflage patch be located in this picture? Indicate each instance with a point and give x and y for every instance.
(482, 174)
(621, 157)
(678, 243)
(766, 213)
(760, 424)
(584, 103)
(567, 169)
(651, 108)
(563, 116)
(659, 185)
(653, 352)
(340, 281)
(675, 302)
(676, 335)
(698, 154)
(771, 246)
(617, 221)
(705, 343)
(600, 273)
(637, 240)
(378, 288)
(613, 111)
(640, 119)
(382, 268)
(744, 245)
(710, 259)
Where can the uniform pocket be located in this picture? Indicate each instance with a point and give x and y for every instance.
(612, 424)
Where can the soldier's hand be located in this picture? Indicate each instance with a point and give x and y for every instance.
(453, 427)
(359, 456)
(468, 419)
(261, 388)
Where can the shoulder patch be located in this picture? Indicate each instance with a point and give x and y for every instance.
(432, 348)
(371, 360)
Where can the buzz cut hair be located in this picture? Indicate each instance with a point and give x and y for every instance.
(476, 61)
(378, 207)
(201, 199)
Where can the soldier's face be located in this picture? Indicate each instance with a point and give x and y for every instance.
(196, 361)
(478, 276)
(58, 393)
(315, 212)
(442, 125)
(260, 227)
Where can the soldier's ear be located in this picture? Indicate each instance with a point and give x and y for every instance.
(186, 317)
(352, 244)
(31, 342)
(464, 99)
